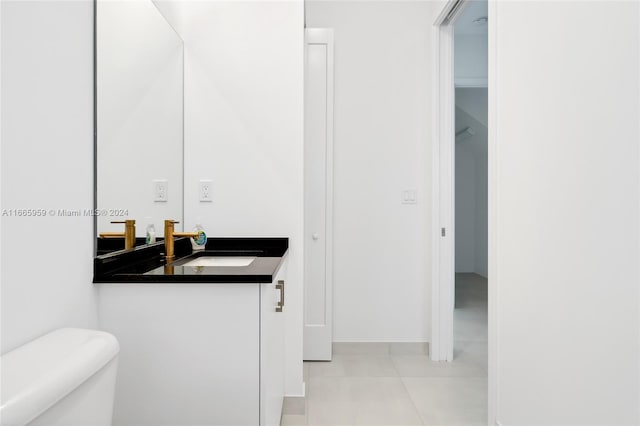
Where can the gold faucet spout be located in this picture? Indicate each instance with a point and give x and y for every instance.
(170, 234)
(129, 233)
(185, 234)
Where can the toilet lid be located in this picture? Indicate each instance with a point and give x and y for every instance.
(37, 375)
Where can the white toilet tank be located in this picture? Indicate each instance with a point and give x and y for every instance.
(64, 378)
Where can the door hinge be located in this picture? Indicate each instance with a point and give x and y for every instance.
(443, 231)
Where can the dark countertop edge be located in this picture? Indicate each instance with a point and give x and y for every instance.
(188, 279)
(128, 278)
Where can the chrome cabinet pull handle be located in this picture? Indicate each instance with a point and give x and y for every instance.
(280, 286)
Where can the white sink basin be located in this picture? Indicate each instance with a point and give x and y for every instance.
(221, 261)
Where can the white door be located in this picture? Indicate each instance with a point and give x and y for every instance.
(318, 205)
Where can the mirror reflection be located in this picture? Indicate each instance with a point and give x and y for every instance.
(139, 123)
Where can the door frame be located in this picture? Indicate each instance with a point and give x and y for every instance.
(443, 195)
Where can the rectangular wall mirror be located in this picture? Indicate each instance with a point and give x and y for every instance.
(139, 119)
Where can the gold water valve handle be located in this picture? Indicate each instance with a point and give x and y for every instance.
(129, 233)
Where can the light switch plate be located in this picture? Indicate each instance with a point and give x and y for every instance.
(160, 190)
(206, 191)
(409, 196)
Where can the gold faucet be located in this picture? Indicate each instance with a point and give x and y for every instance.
(129, 233)
(169, 234)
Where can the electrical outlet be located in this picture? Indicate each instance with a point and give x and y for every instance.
(160, 190)
(206, 193)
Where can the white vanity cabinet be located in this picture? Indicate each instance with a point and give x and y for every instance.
(272, 350)
(196, 353)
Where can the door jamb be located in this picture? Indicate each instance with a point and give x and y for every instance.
(441, 348)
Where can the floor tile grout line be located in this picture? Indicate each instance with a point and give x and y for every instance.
(413, 404)
(393, 363)
(388, 358)
(307, 397)
(399, 378)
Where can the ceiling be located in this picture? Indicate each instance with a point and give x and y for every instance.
(466, 24)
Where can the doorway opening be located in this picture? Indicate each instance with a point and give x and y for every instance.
(461, 290)
(470, 331)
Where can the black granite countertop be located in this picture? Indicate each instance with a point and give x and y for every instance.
(146, 264)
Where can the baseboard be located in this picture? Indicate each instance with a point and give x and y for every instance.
(381, 348)
(357, 340)
(294, 405)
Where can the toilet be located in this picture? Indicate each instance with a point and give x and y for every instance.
(66, 377)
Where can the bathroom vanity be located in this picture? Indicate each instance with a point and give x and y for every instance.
(201, 340)
(202, 336)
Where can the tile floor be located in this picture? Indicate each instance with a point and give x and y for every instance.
(396, 384)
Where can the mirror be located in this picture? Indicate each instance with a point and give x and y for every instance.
(139, 119)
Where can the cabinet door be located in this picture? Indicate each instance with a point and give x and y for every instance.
(272, 351)
(189, 353)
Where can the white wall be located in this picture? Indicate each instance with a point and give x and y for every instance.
(481, 218)
(47, 163)
(475, 102)
(381, 124)
(471, 182)
(470, 57)
(567, 188)
(465, 193)
(244, 130)
(140, 110)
